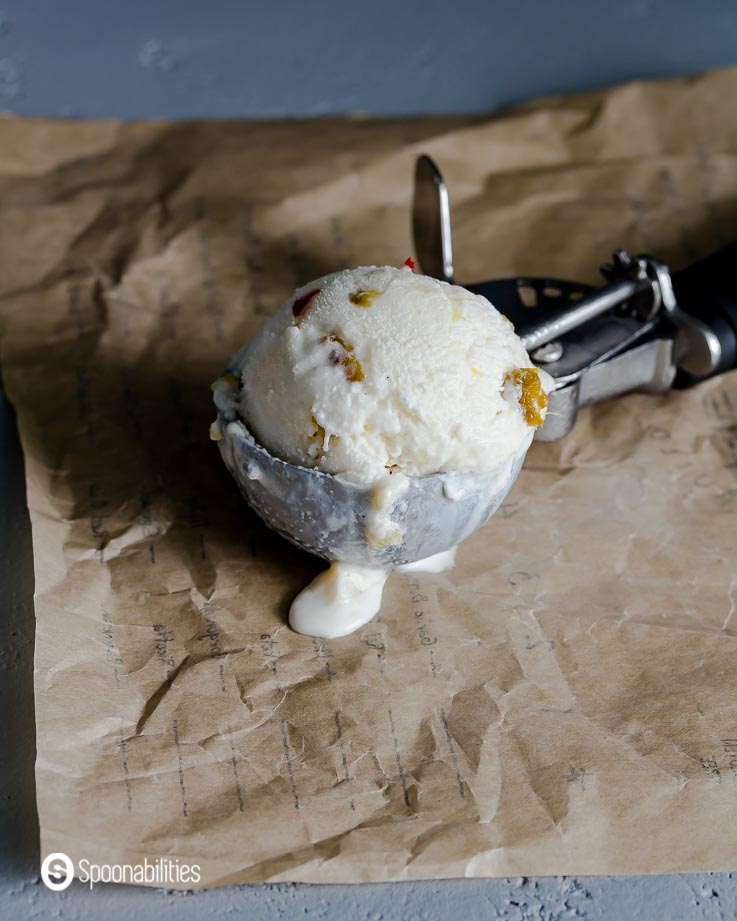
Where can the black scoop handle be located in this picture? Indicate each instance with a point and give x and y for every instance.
(708, 290)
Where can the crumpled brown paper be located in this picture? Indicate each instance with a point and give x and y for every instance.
(564, 701)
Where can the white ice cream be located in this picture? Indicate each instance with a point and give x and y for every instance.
(377, 374)
(382, 369)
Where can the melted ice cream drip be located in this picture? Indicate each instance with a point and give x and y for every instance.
(345, 597)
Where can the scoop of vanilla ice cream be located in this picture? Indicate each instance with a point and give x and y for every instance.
(378, 369)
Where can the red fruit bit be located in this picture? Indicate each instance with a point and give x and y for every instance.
(409, 264)
(302, 303)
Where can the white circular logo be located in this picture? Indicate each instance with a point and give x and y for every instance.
(57, 871)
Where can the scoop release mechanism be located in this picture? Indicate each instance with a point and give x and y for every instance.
(643, 329)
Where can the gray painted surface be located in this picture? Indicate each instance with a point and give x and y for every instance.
(183, 58)
(180, 58)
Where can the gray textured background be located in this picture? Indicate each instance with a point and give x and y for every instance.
(183, 58)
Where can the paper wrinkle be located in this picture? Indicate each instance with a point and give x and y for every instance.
(564, 701)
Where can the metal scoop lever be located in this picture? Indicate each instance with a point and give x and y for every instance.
(431, 220)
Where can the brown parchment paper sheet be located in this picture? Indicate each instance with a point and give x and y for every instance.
(563, 701)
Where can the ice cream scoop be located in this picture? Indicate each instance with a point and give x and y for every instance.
(378, 419)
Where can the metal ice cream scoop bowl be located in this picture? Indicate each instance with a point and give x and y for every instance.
(326, 514)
